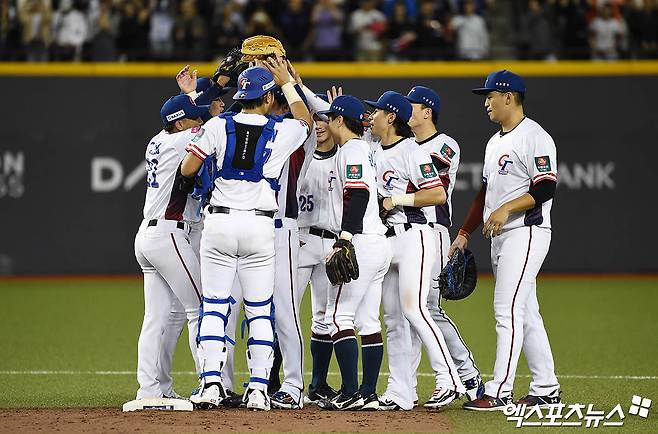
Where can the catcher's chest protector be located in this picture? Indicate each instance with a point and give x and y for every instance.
(246, 153)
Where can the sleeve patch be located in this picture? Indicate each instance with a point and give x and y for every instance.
(199, 134)
(447, 151)
(543, 163)
(354, 171)
(427, 170)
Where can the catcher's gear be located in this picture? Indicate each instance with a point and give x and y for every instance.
(342, 267)
(459, 277)
(231, 66)
(261, 47)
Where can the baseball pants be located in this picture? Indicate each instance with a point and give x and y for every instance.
(227, 250)
(171, 272)
(516, 256)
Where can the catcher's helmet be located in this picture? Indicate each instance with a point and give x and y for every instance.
(253, 83)
(459, 277)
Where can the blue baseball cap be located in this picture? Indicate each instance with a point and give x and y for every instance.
(501, 81)
(181, 107)
(393, 102)
(254, 82)
(205, 83)
(346, 105)
(426, 96)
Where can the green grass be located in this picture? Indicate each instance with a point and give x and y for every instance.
(597, 327)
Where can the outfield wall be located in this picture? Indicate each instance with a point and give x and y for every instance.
(73, 138)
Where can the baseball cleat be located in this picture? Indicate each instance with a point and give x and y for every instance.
(209, 397)
(173, 395)
(343, 402)
(322, 392)
(474, 388)
(489, 403)
(257, 400)
(440, 398)
(233, 400)
(285, 401)
(387, 404)
(370, 403)
(541, 401)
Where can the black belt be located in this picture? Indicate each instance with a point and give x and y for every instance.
(390, 232)
(226, 210)
(179, 225)
(322, 233)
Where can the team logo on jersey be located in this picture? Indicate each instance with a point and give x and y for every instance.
(388, 177)
(198, 136)
(447, 151)
(427, 170)
(504, 162)
(155, 150)
(543, 163)
(331, 179)
(354, 171)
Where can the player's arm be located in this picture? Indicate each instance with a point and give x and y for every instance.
(199, 148)
(279, 69)
(472, 221)
(424, 176)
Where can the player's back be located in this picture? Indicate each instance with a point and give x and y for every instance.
(164, 199)
(316, 207)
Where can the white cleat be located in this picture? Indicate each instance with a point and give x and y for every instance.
(440, 398)
(209, 397)
(258, 400)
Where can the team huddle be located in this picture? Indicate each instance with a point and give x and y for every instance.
(287, 190)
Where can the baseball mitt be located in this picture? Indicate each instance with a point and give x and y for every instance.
(231, 66)
(261, 47)
(459, 277)
(342, 267)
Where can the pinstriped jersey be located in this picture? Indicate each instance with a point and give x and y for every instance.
(445, 154)
(355, 168)
(513, 162)
(404, 167)
(316, 207)
(164, 199)
(290, 178)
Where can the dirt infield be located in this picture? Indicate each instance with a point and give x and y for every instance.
(311, 420)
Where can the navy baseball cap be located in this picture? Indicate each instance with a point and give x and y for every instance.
(501, 81)
(254, 82)
(181, 107)
(426, 96)
(346, 105)
(393, 102)
(205, 83)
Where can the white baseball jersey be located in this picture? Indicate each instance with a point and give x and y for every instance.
(164, 200)
(404, 167)
(316, 207)
(513, 162)
(355, 168)
(445, 149)
(289, 135)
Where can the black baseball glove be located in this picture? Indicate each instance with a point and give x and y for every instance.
(342, 267)
(459, 277)
(231, 66)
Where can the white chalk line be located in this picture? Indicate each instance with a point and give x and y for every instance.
(420, 374)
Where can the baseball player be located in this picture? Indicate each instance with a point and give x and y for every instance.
(407, 181)
(362, 234)
(162, 247)
(445, 154)
(251, 150)
(519, 181)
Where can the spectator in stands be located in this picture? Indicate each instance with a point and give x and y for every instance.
(190, 32)
(36, 22)
(571, 27)
(388, 7)
(472, 34)
(368, 26)
(161, 33)
(401, 33)
(134, 26)
(643, 25)
(70, 32)
(606, 33)
(104, 28)
(294, 22)
(260, 23)
(434, 37)
(10, 31)
(535, 40)
(227, 28)
(326, 31)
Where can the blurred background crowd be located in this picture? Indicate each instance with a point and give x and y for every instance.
(329, 30)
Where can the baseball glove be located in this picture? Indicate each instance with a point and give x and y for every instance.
(459, 277)
(261, 47)
(342, 267)
(231, 66)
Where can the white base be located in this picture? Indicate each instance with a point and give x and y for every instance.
(171, 404)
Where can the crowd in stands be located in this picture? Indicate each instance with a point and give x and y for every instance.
(327, 30)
